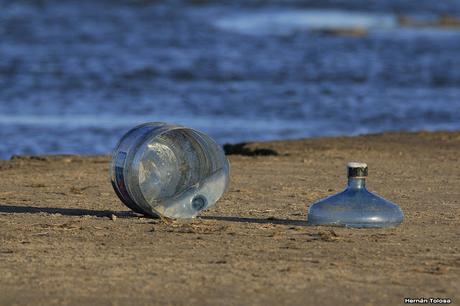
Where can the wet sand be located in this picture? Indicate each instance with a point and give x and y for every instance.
(65, 238)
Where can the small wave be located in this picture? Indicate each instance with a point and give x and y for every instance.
(118, 121)
(347, 23)
(285, 22)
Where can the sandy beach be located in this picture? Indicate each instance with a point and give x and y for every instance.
(66, 239)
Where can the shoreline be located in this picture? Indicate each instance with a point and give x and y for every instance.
(240, 148)
(67, 239)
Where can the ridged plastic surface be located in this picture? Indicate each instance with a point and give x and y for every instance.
(168, 170)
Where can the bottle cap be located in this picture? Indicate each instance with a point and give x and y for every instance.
(357, 169)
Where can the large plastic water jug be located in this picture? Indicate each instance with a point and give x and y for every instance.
(168, 170)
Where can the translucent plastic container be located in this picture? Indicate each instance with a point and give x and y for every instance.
(168, 170)
(355, 206)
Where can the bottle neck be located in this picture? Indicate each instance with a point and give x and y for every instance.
(356, 183)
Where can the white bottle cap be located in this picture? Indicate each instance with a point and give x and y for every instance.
(356, 165)
(357, 169)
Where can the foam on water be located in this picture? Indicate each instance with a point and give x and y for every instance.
(288, 21)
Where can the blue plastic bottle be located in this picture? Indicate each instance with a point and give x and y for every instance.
(355, 206)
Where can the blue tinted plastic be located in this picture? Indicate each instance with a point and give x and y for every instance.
(355, 207)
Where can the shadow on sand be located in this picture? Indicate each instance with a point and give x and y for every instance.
(270, 220)
(14, 209)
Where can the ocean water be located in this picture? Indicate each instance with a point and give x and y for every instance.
(76, 75)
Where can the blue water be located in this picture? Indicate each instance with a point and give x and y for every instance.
(75, 75)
